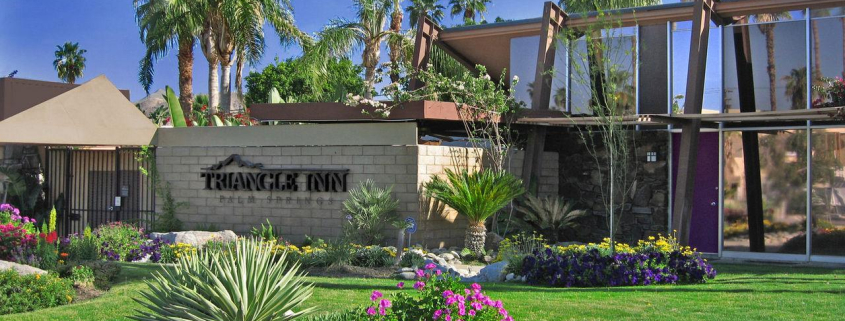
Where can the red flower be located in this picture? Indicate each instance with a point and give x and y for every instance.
(52, 237)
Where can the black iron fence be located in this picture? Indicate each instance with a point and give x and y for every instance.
(91, 187)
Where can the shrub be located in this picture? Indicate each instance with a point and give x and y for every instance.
(339, 252)
(80, 248)
(29, 292)
(266, 233)
(15, 242)
(166, 221)
(171, 253)
(369, 209)
(105, 273)
(437, 297)
(373, 256)
(477, 196)
(118, 240)
(515, 248)
(82, 275)
(550, 216)
(656, 261)
(412, 260)
(215, 285)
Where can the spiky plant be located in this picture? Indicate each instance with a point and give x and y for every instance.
(550, 215)
(369, 209)
(242, 281)
(477, 195)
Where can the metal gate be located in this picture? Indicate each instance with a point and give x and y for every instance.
(91, 187)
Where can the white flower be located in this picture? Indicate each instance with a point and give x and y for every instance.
(485, 77)
(515, 78)
(356, 98)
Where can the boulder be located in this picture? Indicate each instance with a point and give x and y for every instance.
(492, 241)
(447, 256)
(407, 275)
(490, 273)
(20, 268)
(196, 238)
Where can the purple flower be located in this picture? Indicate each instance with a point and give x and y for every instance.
(438, 272)
(371, 311)
(376, 295)
(385, 303)
(419, 285)
(420, 274)
(400, 285)
(430, 266)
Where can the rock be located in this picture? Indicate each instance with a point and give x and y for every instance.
(447, 256)
(523, 278)
(196, 238)
(490, 273)
(492, 241)
(407, 275)
(456, 254)
(431, 255)
(509, 277)
(488, 259)
(20, 268)
(406, 269)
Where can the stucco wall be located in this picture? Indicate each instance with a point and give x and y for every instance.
(302, 213)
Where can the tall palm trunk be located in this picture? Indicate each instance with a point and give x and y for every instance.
(186, 73)
(476, 236)
(396, 48)
(239, 79)
(226, 86)
(225, 48)
(817, 57)
(208, 49)
(369, 59)
(769, 31)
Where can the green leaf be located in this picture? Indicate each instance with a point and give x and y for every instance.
(274, 97)
(176, 115)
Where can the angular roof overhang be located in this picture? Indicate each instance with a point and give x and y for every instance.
(94, 114)
(489, 44)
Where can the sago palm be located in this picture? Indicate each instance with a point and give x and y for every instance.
(70, 62)
(246, 280)
(164, 24)
(550, 215)
(366, 32)
(469, 8)
(476, 195)
(431, 8)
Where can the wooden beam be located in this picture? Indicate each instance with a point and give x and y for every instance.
(688, 151)
(750, 140)
(427, 33)
(553, 19)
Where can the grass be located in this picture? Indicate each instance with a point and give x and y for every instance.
(740, 292)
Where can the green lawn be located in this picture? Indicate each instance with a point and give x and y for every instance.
(740, 292)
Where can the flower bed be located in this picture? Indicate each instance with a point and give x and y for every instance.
(655, 261)
(21, 293)
(436, 296)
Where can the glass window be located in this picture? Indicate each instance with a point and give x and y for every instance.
(828, 192)
(828, 50)
(524, 65)
(778, 57)
(783, 165)
(681, 34)
(618, 54)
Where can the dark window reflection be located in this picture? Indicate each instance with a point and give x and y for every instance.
(828, 192)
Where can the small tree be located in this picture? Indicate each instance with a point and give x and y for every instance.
(369, 209)
(603, 68)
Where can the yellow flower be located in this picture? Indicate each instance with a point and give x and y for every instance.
(38, 276)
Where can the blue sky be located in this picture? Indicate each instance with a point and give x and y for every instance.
(31, 29)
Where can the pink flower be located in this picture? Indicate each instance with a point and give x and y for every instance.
(382, 311)
(476, 287)
(371, 311)
(430, 266)
(420, 274)
(437, 314)
(385, 303)
(419, 285)
(438, 272)
(471, 313)
(375, 296)
(400, 285)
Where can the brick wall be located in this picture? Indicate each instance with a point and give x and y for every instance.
(319, 214)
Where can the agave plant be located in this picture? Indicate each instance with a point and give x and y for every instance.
(241, 281)
(477, 195)
(549, 216)
(369, 209)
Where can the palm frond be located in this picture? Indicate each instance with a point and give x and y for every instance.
(477, 195)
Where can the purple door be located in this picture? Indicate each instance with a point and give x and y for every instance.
(704, 232)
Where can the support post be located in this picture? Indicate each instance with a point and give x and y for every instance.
(750, 141)
(553, 20)
(427, 33)
(688, 151)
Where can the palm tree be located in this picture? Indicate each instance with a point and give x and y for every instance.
(69, 62)
(162, 24)
(396, 52)
(796, 87)
(340, 37)
(419, 8)
(767, 27)
(477, 196)
(208, 44)
(241, 29)
(469, 8)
